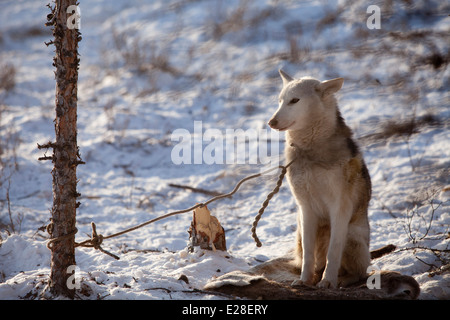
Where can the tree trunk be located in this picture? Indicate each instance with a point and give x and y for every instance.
(65, 150)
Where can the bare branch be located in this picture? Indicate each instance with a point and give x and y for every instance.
(198, 190)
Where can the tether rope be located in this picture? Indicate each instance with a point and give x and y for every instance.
(97, 239)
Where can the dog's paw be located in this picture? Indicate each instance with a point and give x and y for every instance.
(347, 280)
(297, 283)
(326, 284)
(301, 283)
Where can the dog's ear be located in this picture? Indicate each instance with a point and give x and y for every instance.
(286, 78)
(328, 87)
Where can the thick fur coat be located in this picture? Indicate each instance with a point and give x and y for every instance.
(329, 180)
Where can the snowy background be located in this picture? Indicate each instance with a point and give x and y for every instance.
(149, 68)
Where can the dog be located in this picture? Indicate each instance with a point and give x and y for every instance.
(329, 181)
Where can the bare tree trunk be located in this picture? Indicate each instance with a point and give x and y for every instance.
(65, 150)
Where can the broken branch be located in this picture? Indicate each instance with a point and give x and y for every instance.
(198, 190)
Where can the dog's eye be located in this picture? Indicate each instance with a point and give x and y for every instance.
(295, 100)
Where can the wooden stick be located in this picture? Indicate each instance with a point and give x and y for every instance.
(198, 190)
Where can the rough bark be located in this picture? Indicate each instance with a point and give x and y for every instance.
(65, 150)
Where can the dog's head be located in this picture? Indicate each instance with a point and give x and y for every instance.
(303, 101)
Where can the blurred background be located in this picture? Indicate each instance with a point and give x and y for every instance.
(151, 67)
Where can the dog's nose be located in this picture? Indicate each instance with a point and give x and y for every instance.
(273, 123)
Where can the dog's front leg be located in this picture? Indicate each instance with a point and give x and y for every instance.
(338, 238)
(308, 227)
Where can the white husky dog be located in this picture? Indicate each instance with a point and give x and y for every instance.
(329, 180)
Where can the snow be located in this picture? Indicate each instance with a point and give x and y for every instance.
(223, 58)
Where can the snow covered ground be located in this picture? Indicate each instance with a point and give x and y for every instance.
(149, 68)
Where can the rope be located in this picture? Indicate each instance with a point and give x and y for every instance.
(97, 239)
(266, 203)
(61, 238)
(95, 242)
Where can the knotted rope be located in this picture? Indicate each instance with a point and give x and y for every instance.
(94, 242)
(97, 239)
(266, 203)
